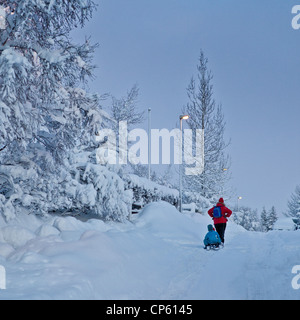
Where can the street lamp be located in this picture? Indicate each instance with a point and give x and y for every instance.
(238, 199)
(186, 117)
(182, 117)
(149, 143)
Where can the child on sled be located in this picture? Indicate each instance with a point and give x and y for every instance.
(212, 238)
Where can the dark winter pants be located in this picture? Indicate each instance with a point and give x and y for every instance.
(221, 227)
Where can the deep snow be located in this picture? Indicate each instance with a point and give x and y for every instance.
(159, 255)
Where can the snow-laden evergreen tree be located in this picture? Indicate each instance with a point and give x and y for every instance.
(206, 115)
(39, 68)
(272, 218)
(48, 123)
(294, 204)
(264, 220)
(247, 218)
(268, 219)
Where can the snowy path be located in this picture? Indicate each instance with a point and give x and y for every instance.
(158, 256)
(251, 266)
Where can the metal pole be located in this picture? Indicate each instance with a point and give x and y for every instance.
(238, 203)
(180, 170)
(149, 143)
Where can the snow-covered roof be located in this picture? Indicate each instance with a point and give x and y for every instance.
(284, 224)
(145, 184)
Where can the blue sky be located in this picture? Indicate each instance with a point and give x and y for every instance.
(254, 54)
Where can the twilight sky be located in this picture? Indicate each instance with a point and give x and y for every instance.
(254, 54)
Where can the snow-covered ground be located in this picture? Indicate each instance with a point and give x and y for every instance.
(159, 255)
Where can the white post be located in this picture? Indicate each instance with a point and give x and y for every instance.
(238, 203)
(2, 278)
(149, 144)
(184, 117)
(180, 169)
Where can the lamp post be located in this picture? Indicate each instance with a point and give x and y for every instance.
(238, 200)
(149, 144)
(182, 117)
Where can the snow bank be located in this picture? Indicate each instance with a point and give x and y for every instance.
(16, 236)
(165, 221)
(286, 224)
(84, 187)
(159, 255)
(145, 191)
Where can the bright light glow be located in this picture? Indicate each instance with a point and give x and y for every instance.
(186, 117)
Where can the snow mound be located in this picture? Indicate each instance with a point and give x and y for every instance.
(165, 221)
(159, 214)
(66, 223)
(159, 255)
(16, 236)
(46, 230)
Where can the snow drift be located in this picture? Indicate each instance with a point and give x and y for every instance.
(159, 255)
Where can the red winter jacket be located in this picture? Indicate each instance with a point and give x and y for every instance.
(226, 213)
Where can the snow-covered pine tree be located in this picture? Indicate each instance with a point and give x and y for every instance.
(294, 204)
(48, 124)
(272, 218)
(206, 115)
(268, 219)
(39, 69)
(264, 220)
(247, 218)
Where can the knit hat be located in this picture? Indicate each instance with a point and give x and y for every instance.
(210, 227)
(221, 200)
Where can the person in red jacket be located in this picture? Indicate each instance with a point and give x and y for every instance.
(220, 222)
